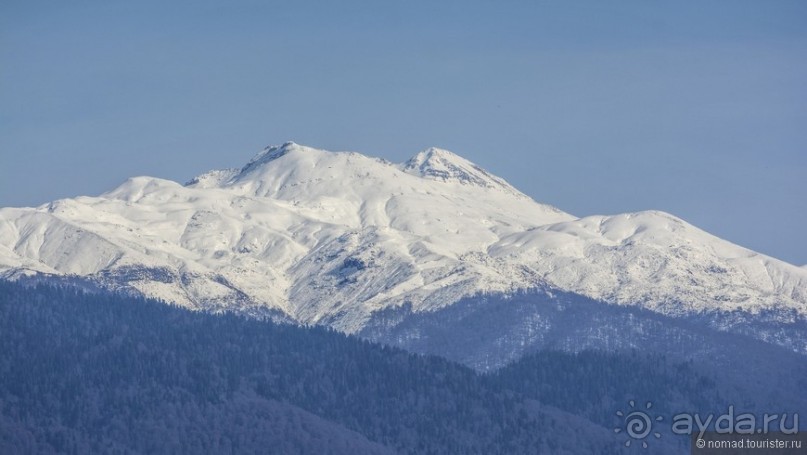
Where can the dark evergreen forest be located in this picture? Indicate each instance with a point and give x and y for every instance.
(98, 373)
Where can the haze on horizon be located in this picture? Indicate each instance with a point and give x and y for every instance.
(693, 108)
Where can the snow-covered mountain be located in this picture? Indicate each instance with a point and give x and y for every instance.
(336, 237)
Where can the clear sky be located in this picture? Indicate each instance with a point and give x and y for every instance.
(698, 108)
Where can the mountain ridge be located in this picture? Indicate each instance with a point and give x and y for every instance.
(335, 237)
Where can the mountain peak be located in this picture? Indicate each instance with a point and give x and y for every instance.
(219, 177)
(445, 166)
(273, 152)
(438, 153)
(434, 156)
(433, 163)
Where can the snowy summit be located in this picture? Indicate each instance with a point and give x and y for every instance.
(334, 237)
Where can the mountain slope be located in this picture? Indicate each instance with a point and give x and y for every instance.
(91, 373)
(333, 238)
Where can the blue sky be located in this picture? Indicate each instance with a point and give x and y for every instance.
(696, 108)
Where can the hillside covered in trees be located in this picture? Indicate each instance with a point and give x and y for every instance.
(95, 373)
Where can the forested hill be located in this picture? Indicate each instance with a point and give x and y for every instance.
(91, 373)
